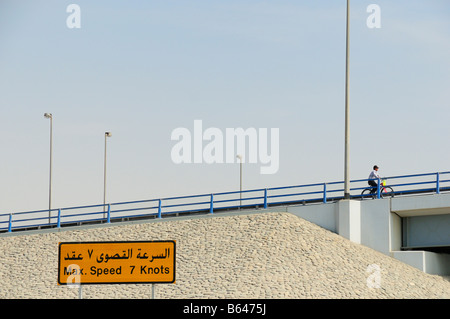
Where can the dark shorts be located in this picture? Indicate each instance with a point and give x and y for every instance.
(373, 184)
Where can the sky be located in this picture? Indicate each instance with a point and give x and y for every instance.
(142, 69)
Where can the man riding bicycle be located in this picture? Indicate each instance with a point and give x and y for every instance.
(374, 175)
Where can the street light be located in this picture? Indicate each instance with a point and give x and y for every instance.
(107, 134)
(347, 120)
(50, 116)
(240, 158)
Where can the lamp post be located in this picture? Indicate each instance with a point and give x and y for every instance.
(240, 174)
(107, 134)
(347, 120)
(50, 116)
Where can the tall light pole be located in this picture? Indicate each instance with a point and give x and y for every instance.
(107, 134)
(347, 120)
(50, 116)
(240, 174)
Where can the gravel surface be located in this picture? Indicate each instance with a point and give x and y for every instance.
(257, 256)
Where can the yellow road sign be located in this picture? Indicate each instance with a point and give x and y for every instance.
(116, 262)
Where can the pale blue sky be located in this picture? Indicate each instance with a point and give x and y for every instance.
(141, 69)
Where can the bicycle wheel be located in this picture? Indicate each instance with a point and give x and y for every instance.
(366, 194)
(387, 192)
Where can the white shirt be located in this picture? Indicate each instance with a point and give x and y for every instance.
(374, 175)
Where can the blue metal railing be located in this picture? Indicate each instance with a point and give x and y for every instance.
(210, 203)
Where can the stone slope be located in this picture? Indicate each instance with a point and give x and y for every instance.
(267, 255)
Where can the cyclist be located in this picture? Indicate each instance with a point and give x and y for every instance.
(374, 175)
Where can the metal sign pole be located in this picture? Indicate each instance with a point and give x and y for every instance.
(80, 292)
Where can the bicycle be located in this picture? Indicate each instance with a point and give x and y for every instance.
(371, 192)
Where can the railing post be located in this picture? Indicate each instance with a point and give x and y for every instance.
(437, 183)
(159, 208)
(324, 193)
(378, 188)
(58, 224)
(265, 198)
(211, 204)
(108, 216)
(10, 223)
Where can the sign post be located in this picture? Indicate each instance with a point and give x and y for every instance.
(117, 262)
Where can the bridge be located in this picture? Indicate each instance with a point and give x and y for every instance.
(410, 222)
